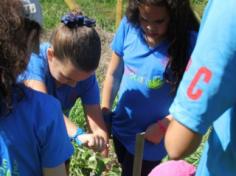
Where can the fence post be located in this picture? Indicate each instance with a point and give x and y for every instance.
(119, 5)
(72, 4)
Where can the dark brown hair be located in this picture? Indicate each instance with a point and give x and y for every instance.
(14, 32)
(81, 45)
(182, 22)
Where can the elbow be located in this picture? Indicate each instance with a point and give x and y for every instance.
(173, 152)
(174, 155)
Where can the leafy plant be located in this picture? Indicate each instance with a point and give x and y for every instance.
(86, 162)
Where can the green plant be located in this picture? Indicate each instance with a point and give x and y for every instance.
(85, 162)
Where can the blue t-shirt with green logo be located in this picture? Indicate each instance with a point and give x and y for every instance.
(207, 94)
(144, 97)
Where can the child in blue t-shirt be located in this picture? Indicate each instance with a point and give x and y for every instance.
(65, 69)
(150, 51)
(33, 138)
(206, 96)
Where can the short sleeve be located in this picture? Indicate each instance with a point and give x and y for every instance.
(55, 145)
(208, 86)
(90, 94)
(118, 40)
(37, 67)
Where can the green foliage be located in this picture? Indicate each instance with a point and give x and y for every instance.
(85, 162)
(198, 6)
(102, 10)
(195, 157)
(52, 12)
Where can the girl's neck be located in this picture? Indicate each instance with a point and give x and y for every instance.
(152, 42)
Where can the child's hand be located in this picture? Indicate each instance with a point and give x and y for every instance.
(95, 142)
(153, 134)
(156, 131)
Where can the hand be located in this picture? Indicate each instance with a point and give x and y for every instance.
(156, 131)
(154, 134)
(95, 142)
(103, 134)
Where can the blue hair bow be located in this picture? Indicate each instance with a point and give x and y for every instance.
(76, 20)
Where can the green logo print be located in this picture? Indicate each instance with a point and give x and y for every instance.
(4, 168)
(155, 83)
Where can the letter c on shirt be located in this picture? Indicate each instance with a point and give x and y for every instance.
(202, 72)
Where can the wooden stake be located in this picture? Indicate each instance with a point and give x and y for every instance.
(138, 157)
(119, 5)
(72, 4)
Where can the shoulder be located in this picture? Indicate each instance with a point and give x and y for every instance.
(127, 25)
(38, 63)
(41, 57)
(43, 49)
(41, 102)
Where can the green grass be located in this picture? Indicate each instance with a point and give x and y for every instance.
(52, 12)
(102, 10)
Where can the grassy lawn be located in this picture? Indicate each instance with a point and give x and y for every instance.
(102, 10)
(85, 162)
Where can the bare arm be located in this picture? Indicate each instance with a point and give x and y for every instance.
(56, 171)
(180, 141)
(112, 81)
(98, 139)
(97, 126)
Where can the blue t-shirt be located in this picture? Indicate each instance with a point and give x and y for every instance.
(34, 134)
(144, 97)
(38, 69)
(207, 93)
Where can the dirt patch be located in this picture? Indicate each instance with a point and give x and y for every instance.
(106, 38)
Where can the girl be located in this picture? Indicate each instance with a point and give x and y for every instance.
(33, 139)
(65, 69)
(150, 51)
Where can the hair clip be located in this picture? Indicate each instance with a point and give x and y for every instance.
(77, 20)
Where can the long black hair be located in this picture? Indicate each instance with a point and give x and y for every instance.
(182, 21)
(14, 51)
